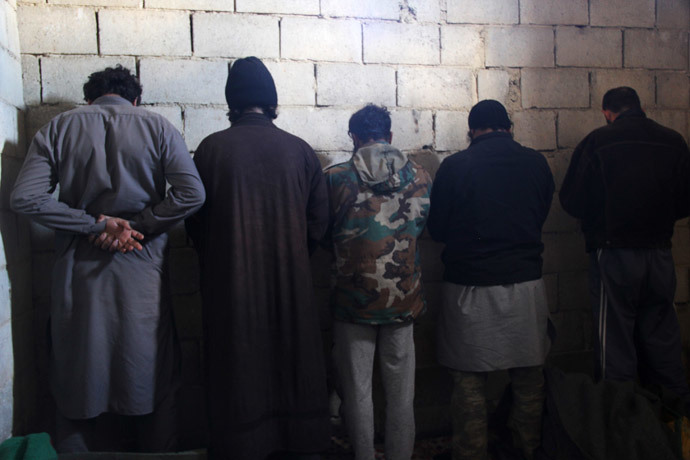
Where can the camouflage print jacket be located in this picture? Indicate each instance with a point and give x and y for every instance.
(379, 205)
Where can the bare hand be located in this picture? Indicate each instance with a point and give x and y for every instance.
(117, 236)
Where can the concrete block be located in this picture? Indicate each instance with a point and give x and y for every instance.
(7, 363)
(108, 3)
(574, 125)
(183, 81)
(171, 113)
(394, 43)
(10, 36)
(355, 84)
(11, 131)
(570, 330)
(436, 87)
(451, 131)
(535, 129)
(31, 80)
(38, 116)
(626, 13)
(425, 10)
(412, 129)
(430, 160)
(681, 247)
(295, 82)
(321, 39)
(673, 14)
(573, 290)
(641, 80)
(11, 79)
(483, 11)
(206, 5)
(63, 77)
(235, 35)
(500, 85)
(672, 90)
(682, 288)
(551, 284)
(333, 158)
(5, 12)
(322, 128)
(559, 163)
(656, 49)
(589, 47)
(307, 7)
(550, 12)
(47, 29)
(555, 88)
(462, 45)
(558, 220)
(535, 50)
(200, 122)
(144, 32)
(674, 119)
(5, 302)
(380, 9)
(432, 268)
(564, 252)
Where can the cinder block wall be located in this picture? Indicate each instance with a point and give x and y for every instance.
(429, 61)
(16, 313)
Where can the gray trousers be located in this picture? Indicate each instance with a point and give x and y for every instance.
(353, 356)
(638, 333)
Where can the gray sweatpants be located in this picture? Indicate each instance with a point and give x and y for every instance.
(353, 356)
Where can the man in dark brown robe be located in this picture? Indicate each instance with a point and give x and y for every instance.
(267, 204)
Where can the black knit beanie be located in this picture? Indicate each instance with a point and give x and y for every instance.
(488, 114)
(250, 84)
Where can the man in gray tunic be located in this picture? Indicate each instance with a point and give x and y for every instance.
(113, 347)
(488, 205)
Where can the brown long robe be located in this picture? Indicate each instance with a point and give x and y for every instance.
(265, 368)
(113, 343)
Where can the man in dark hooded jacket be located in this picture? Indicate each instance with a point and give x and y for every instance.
(267, 203)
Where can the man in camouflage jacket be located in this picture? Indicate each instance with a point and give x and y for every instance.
(379, 203)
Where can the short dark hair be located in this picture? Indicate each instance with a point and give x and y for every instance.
(235, 114)
(620, 99)
(113, 80)
(370, 123)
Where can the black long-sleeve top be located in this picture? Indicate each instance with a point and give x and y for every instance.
(488, 205)
(628, 182)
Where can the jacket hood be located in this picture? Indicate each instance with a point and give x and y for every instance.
(382, 167)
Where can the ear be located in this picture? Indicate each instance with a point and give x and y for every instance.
(609, 115)
(356, 141)
(390, 138)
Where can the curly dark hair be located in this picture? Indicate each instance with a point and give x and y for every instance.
(620, 99)
(370, 123)
(113, 80)
(235, 114)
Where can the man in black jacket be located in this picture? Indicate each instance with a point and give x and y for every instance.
(628, 183)
(488, 205)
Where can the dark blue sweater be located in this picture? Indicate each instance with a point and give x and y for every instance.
(488, 205)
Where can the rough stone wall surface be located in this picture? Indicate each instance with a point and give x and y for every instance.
(429, 61)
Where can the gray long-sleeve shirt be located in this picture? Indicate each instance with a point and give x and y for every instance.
(112, 338)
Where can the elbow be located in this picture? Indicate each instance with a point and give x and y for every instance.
(19, 203)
